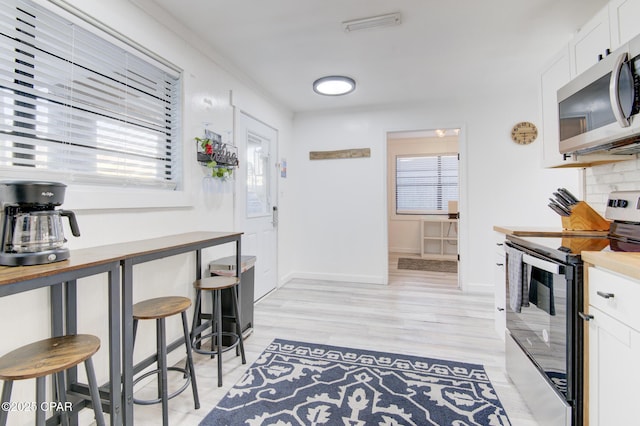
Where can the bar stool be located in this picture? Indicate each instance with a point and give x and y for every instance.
(47, 357)
(215, 285)
(159, 309)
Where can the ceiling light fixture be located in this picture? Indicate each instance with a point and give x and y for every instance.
(334, 85)
(372, 22)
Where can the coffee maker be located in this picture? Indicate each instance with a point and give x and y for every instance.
(32, 232)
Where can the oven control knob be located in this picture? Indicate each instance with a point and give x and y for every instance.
(618, 203)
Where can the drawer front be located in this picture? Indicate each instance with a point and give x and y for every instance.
(615, 295)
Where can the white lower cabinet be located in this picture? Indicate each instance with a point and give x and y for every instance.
(499, 280)
(613, 349)
(614, 352)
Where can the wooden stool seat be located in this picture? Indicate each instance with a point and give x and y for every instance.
(51, 357)
(160, 307)
(48, 356)
(216, 282)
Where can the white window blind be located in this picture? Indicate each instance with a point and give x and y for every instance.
(78, 106)
(425, 184)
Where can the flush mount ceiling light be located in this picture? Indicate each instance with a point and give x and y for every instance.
(372, 22)
(334, 85)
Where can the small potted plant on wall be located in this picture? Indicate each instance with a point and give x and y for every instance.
(220, 158)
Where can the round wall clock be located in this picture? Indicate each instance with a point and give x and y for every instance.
(524, 133)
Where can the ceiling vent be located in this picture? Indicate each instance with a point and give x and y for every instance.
(372, 22)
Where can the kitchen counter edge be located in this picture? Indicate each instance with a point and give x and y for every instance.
(623, 263)
(530, 231)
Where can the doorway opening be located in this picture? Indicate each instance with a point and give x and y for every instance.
(423, 190)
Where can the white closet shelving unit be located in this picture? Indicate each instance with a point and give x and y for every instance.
(439, 238)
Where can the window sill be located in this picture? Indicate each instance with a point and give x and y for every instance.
(81, 197)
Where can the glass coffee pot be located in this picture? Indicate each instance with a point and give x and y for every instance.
(40, 231)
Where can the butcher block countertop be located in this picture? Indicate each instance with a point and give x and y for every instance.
(623, 263)
(531, 231)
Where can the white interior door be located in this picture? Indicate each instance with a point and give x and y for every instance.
(256, 199)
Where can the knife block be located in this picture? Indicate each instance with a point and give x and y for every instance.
(584, 218)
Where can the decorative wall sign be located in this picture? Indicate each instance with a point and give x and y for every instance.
(220, 157)
(343, 153)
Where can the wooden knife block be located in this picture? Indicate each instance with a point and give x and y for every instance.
(584, 218)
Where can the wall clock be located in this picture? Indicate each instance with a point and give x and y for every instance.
(524, 133)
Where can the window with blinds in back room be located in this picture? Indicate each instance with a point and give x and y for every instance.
(82, 106)
(426, 184)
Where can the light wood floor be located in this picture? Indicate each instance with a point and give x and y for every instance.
(421, 314)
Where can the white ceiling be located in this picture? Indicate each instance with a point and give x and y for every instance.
(442, 49)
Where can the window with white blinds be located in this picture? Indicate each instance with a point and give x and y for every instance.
(425, 184)
(81, 107)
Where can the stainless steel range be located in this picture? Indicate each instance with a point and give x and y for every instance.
(544, 341)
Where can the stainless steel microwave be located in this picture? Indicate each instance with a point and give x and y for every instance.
(598, 110)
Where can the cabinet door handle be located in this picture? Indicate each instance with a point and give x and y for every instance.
(605, 295)
(500, 309)
(499, 264)
(499, 244)
(585, 317)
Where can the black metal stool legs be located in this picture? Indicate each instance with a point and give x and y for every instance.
(216, 285)
(61, 395)
(163, 389)
(236, 313)
(218, 325)
(195, 324)
(41, 415)
(192, 372)
(159, 309)
(95, 393)
(6, 397)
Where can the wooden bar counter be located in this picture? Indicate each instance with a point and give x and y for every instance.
(117, 260)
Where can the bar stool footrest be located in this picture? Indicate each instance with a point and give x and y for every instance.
(184, 371)
(195, 342)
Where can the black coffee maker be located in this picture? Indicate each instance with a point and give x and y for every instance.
(32, 232)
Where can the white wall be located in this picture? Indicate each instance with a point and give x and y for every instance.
(342, 231)
(206, 92)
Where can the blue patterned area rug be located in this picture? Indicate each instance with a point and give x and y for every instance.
(295, 383)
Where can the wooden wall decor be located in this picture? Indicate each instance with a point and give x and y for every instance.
(343, 153)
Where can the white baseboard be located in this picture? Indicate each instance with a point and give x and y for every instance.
(369, 279)
(322, 276)
(404, 250)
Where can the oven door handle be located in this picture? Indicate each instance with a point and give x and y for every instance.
(545, 265)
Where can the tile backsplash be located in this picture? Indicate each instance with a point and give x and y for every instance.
(601, 180)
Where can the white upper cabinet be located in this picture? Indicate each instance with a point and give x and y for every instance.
(555, 75)
(593, 40)
(612, 26)
(624, 16)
